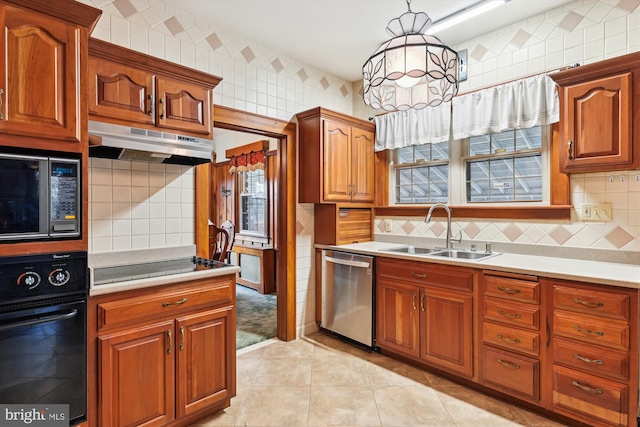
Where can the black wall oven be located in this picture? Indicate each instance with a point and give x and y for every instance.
(43, 318)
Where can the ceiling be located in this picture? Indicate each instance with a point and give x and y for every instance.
(338, 36)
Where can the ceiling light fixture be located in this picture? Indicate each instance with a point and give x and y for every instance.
(412, 70)
(464, 14)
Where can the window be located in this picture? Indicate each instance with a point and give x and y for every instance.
(253, 202)
(504, 167)
(422, 173)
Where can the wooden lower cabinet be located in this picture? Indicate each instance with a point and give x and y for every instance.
(165, 356)
(137, 376)
(564, 347)
(397, 320)
(425, 312)
(594, 364)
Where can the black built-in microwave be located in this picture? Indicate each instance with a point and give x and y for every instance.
(39, 196)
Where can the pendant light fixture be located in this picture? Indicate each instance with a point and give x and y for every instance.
(412, 70)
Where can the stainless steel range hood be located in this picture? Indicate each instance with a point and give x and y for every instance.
(113, 141)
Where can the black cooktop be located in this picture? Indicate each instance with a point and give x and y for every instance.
(123, 273)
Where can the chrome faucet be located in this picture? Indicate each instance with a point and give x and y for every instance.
(449, 238)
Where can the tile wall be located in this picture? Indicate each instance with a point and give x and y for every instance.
(579, 32)
(127, 207)
(257, 79)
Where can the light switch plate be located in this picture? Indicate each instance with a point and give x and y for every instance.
(595, 212)
(387, 226)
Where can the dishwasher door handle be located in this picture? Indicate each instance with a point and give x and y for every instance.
(350, 263)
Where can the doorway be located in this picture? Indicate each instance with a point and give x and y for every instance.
(285, 198)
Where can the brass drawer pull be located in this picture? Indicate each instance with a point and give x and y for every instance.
(508, 364)
(422, 301)
(181, 338)
(585, 388)
(588, 303)
(570, 149)
(182, 301)
(505, 314)
(1, 113)
(588, 332)
(170, 337)
(414, 301)
(418, 275)
(586, 360)
(509, 340)
(161, 109)
(509, 290)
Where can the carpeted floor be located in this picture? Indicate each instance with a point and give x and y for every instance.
(255, 316)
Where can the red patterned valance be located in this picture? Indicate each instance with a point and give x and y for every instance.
(247, 162)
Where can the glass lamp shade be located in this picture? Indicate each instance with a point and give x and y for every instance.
(411, 70)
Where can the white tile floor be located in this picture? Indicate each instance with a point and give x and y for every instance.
(318, 380)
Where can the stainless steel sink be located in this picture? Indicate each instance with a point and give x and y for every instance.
(458, 254)
(441, 252)
(410, 249)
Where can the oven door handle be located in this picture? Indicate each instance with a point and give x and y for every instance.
(37, 320)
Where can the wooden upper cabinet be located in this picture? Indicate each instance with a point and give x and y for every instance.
(336, 158)
(134, 89)
(336, 164)
(362, 165)
(120, 92)
(42, 68)
(600, 112)
(183, 106)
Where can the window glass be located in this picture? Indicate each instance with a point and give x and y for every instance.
(253, 202)
(422, 173)
(505, 167)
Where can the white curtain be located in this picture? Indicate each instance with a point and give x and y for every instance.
(520, 104)
(413, 127)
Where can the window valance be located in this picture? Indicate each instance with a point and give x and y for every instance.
(413, 127)
(520, 104)
(247, 162)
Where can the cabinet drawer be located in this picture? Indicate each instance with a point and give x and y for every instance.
(512, 313)
(511, 338)
(590, 301)
(162, 304)
(517, 374)
(592, 329)
(513, 289)
(424, 273)
(596, 360)
(593, 398)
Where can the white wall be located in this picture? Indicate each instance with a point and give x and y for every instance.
(582, 31)
(579, 32)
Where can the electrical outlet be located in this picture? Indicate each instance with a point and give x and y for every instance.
(595, 211)
(387, 226)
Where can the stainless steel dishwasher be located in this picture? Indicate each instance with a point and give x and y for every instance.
(348, 296)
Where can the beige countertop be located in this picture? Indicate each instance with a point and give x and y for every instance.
(603, 273)
(147, 282)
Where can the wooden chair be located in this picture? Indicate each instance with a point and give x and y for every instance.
(231, 231)
(219, 243)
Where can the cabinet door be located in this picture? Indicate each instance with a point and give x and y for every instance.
(397, 319)
(120, 92)
(136, 376)
(205, 348)
(40, 68)
(336, 162)
(446, 330)
(362, 165)
(183, 106)
(598, 125)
